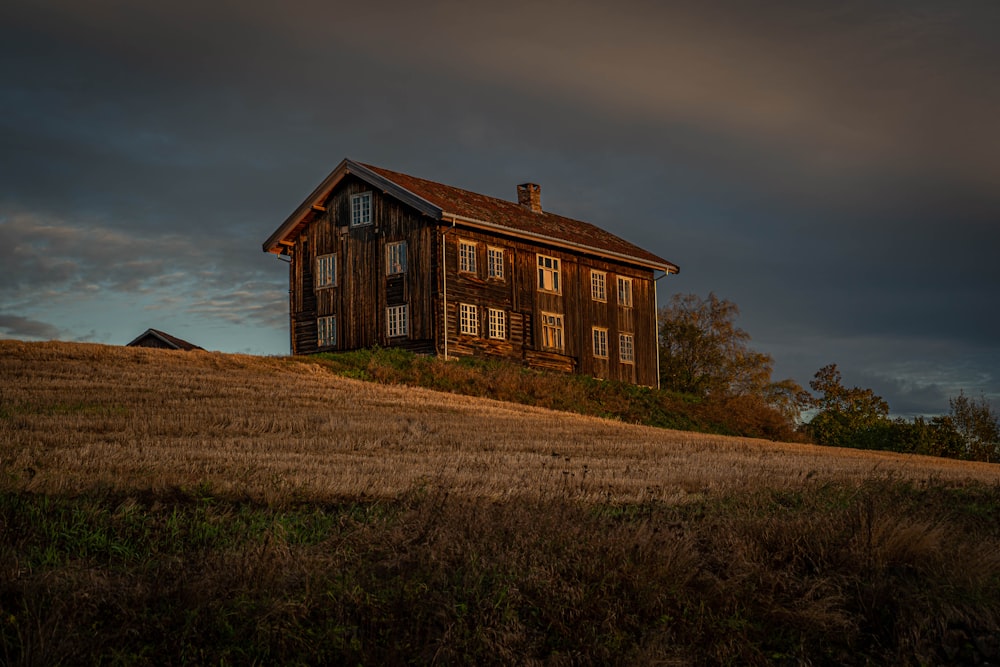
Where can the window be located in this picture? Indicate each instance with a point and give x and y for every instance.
(498, 324)
(326, 331)
(361, 209)
(466, 256)
(468, 319)
(598, 286)
(397, 321)
(495, 257)
(548, 274)
(601, 343)
(625, 292)
(552, 331)
(326, 271)
(395, 258)
(626, 348)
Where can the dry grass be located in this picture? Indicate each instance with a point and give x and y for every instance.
(79, 417)
(196, 508)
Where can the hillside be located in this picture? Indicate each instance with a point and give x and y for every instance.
(169, 508)
(81, 416)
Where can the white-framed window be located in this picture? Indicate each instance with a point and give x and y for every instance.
(466, 256)
(326, 331)
(548, 273)
(395, 258)
(598, 286)
(494, 258)
(600, 343)
(625, 292)
(498, 324)
(468, 319)
(626, 348)
(326, 271)
(361, 209)
(552, 331)
(397, 319)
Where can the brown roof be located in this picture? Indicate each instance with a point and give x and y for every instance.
(171, 341)
(448, 203)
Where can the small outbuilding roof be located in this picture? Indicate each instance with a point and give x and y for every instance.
(161, 339)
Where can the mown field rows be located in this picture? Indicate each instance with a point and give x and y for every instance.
(171, 508)
(80, 417)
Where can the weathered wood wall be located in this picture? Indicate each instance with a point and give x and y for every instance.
(519, 296)
(363, 291)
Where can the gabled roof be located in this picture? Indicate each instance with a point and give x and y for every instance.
(469, 209)
(170, 341)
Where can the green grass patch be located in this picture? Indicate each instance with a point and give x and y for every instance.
(883, 572)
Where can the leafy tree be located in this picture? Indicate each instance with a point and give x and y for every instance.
(703, 352)
(852, 417)
(978, 425)
(945, 438)
(700, 344)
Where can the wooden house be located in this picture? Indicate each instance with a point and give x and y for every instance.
(162, 340)
(381, 258)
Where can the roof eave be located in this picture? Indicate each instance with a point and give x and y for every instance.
(323, 190)
(662, 265)
(155, 334)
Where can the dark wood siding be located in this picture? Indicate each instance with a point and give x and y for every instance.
(519, 296)
(363, 291)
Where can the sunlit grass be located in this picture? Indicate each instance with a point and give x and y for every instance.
(81, 417)
(165, 507)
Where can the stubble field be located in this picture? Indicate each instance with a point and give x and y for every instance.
(81, 417)
(189, 508)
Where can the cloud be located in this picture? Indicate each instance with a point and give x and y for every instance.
(23, 327)
(72, 260)
(834, 169)
(81, 254)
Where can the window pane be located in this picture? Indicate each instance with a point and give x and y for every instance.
(625, 292)
(597, 286)
(469, 319)
(361, 209)
(626, 348)
(326, 331)
(498, 324)
(326, 271)
(466, 257)
(396, 258)
(495, 262)
(397, 320)
(552, 331)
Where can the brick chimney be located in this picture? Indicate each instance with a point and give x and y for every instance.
(530, 195)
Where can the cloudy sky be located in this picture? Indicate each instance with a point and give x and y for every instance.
(832, 168)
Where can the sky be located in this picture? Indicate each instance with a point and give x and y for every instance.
(832, 168)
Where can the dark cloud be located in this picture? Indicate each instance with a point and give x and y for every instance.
(833, 169)
(23, 327)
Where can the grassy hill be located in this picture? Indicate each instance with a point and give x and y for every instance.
(167, 508)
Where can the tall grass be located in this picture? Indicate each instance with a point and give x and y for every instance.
(876, 573)
(194, 508)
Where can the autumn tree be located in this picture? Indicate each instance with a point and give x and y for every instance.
(978, 425)
(703, 352)
(847, 417)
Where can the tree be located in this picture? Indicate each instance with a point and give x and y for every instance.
(703, 352)
(978, 426)
(847, 417)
